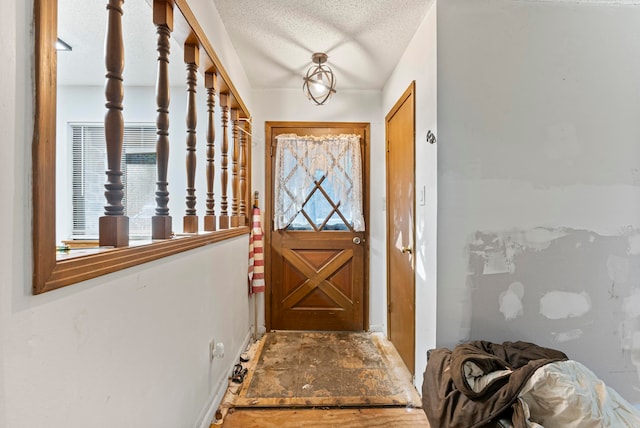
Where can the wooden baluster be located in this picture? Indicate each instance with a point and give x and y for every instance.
(224, 178)
(243, 175)
(163, 19)
(234, 168)
(211, 83)
(114, 225)
(192, 60)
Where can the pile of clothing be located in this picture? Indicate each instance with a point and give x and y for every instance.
(520, 385)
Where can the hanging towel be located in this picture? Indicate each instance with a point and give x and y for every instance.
(256, 254)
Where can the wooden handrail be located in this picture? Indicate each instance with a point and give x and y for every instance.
(189, 22)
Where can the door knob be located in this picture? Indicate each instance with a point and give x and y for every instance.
(406, 250)
(357, 240)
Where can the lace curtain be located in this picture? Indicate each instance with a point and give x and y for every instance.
(303, 164)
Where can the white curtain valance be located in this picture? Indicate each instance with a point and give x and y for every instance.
(303, 160)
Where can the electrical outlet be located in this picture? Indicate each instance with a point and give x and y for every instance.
(219, 352)
(212, 350)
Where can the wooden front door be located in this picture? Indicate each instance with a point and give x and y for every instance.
(400, 131)
(316, 275)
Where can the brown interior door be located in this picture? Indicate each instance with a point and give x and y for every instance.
(316, 278)
(400, 130)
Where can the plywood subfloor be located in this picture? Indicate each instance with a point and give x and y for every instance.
(327, 369)
(311, 379)
(342, 418)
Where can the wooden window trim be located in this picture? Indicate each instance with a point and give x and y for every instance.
(49, 273)
(81, 268)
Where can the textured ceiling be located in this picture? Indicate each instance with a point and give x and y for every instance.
(81, 23)
(273, 38)
(364, 39)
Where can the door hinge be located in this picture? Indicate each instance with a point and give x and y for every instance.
(389, 308)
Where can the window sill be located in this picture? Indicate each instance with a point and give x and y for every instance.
(83, 264)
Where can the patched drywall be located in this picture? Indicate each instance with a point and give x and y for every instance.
(537, 126)
(511, 301)
(556, 305)
(572, 290)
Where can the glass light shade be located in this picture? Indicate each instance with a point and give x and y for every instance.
(320, 82)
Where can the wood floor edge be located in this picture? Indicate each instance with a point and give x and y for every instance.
(233, 389)
(251, 366)
(329, 402)
(313, 418)
(327, 407)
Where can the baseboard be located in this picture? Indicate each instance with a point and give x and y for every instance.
(378, 328)
(208, 413)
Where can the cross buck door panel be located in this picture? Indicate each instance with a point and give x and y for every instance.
(318, 237)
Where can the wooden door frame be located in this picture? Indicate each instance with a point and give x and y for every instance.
(409, 92)
(268, 204)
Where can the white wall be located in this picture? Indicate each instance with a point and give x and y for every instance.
(212, 24)
(419, 63)
(129, 349)
(12, 119)
(539, 153)
(345, 106)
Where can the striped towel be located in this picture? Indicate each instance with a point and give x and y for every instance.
(256, 255)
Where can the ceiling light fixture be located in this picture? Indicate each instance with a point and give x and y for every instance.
(61, 45)
(319, 83)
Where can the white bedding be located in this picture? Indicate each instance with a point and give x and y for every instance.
(566, 394)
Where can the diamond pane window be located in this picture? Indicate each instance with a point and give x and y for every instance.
(318, 183)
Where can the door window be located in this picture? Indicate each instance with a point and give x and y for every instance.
(318, 183)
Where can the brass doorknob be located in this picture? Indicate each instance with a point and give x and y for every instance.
(407, 250)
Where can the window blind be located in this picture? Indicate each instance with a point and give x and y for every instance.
(138, 166)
